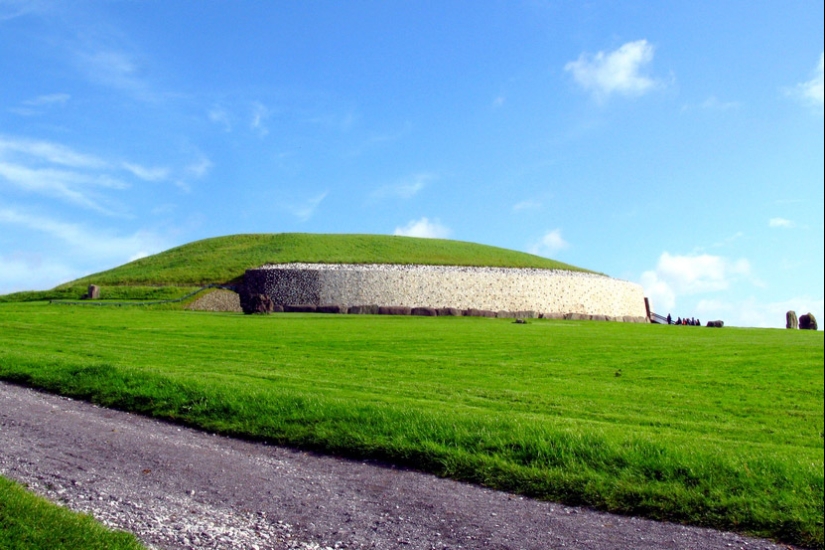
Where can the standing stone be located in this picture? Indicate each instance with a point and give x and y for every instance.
(790, 320)
(93, 293)
(807, 322)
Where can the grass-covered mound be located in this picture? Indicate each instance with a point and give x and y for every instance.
(223, 259)
(220, 260)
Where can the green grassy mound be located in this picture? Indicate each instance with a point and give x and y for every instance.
(222, 260)
(28, 522)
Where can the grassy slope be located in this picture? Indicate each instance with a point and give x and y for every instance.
(223, 259)
(722, 428)
(28, 522)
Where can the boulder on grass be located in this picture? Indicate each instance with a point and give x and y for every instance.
(93, 293)
(807, 322)
(790, 320)
(716, 324)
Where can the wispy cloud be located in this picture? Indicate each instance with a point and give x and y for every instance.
(811, 91)
(57, 171)
(145, 173)
(424, 228)
(404, 189)
(529, 204)
(780, 222)
(550, 244)
(713, 103)
(220, 116)
(259, 115)
(305, 210)
(115, 69)
(48, 99)
(85, 241)
(618, 72)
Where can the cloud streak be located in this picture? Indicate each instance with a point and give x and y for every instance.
(405, 189)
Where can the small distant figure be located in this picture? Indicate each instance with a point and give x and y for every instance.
(698, 323)
(669, 319)
(678, 320)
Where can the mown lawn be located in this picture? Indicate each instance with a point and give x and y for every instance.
(713, 427)
(28, 522)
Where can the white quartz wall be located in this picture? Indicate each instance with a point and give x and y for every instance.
(496, 289)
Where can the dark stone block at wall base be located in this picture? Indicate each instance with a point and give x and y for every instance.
(472, 312)
(394, 310)
(331, 309)
(363, 310)
(300, 308)
(449, 312)
(424, 311)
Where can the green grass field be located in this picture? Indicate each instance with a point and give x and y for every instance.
(720, 428)
(28, 522)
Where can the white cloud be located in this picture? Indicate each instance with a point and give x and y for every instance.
(499, 101)
(424, 228)
(550, 244)
(619, 71)
(812, 91)
(404, 189)
(677, 275)
(780, 222)
(305, 210)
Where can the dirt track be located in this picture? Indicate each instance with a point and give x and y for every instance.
(180, 488)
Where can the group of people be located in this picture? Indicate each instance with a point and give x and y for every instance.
(679, 321)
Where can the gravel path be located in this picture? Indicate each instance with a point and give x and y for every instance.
(180, 488)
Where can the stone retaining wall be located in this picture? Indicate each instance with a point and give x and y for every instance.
(551, 293)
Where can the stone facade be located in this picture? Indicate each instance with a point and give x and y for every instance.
(552, 293)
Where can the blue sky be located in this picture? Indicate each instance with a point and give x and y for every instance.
(675, 144)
